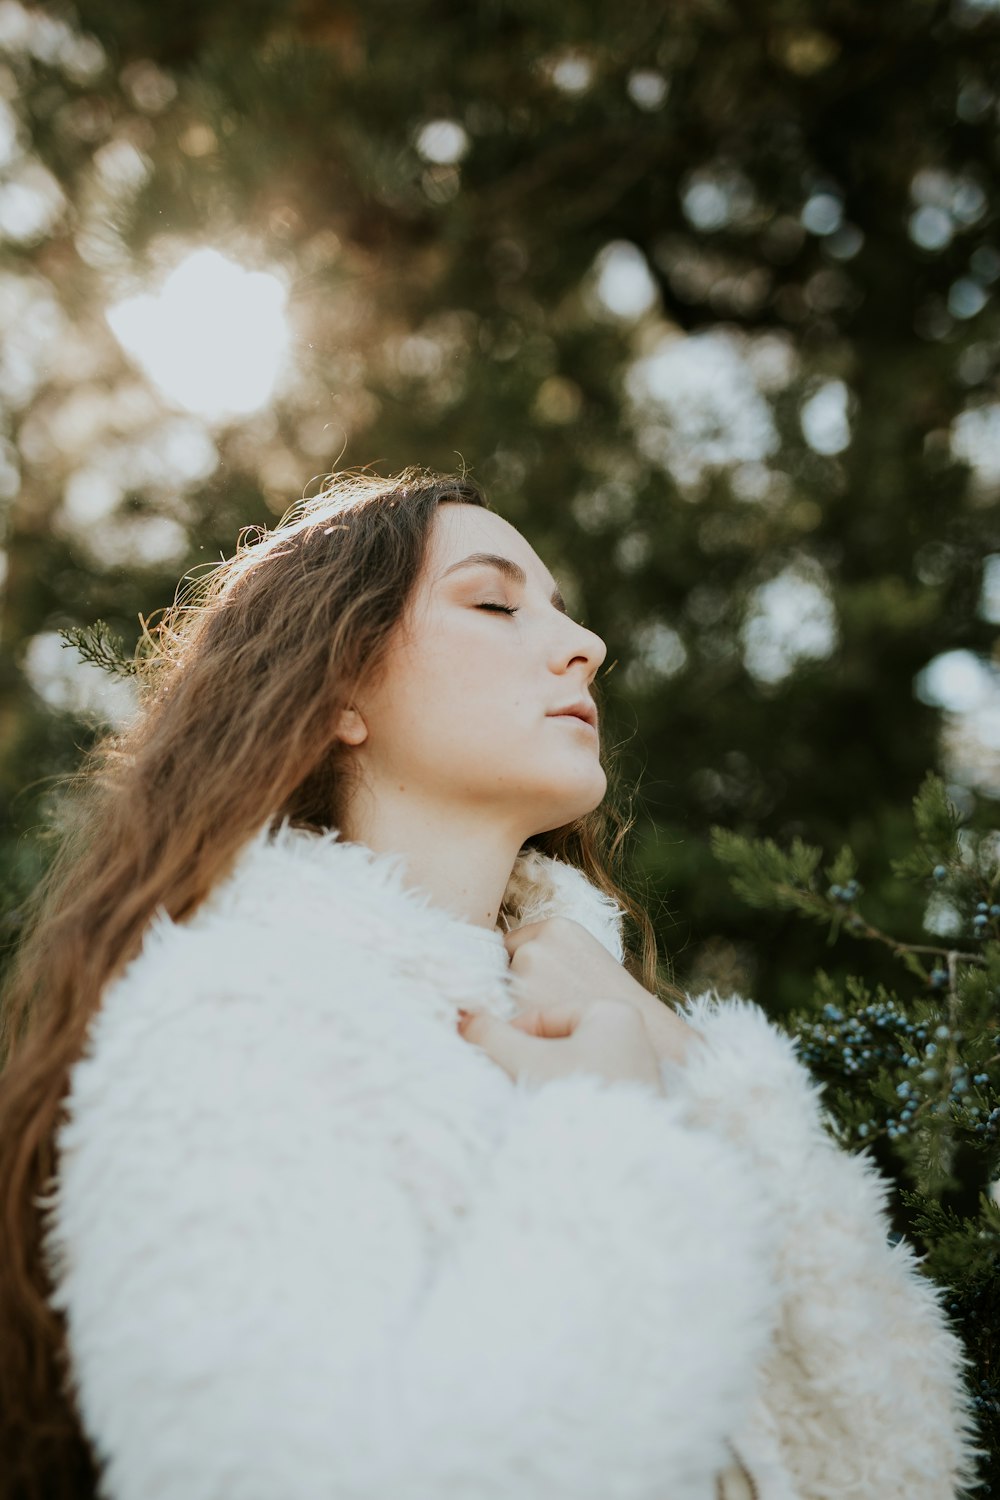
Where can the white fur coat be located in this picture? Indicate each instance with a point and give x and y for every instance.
(311, 1244)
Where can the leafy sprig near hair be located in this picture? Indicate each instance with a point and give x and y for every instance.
(97, 644)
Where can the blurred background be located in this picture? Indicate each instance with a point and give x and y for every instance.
(705, 295)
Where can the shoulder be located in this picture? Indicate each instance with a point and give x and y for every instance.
(543, 885)
(283, 887)
(237, 1025)
(283, 928)
(281, 872)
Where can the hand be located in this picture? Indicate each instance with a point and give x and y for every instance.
(560, 972)
(558, 959)
(604, 1037)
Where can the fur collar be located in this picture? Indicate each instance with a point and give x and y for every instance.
(540, 885)
(306, 882)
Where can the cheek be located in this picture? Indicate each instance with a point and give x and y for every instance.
(465, 677)
(474, 658)
(443, 691)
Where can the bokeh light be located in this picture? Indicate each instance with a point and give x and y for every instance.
(213, 339)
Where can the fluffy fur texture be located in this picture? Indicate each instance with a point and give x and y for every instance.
(313, 1245)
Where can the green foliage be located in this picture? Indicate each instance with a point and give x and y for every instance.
(444, 311)
(912, 1072)
(844, 867)
(766, 875)
(937, 823)
(97, 644)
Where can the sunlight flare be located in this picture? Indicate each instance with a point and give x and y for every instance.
(213, 339)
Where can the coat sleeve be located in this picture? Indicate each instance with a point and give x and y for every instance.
(865, 1382)
(254, 1313)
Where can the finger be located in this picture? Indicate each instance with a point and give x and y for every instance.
(514, 939)
(500, 1041)
(557, 1019)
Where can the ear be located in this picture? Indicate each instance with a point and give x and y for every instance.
(351, 727)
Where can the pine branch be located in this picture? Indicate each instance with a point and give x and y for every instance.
(97, 645)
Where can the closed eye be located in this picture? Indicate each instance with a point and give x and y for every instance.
(505, 608)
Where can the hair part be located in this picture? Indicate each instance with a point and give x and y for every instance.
(240, 687)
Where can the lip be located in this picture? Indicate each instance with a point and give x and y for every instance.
(575, 719)
(584, 712)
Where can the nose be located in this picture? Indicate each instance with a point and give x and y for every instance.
(582, 645)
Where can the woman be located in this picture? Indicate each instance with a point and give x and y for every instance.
(345, 1151)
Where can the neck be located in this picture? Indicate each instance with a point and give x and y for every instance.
(462, 860)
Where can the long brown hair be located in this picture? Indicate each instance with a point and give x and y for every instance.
(239, 687)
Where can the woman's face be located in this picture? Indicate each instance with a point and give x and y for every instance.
(464, 711)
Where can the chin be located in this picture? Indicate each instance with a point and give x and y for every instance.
(571, 801)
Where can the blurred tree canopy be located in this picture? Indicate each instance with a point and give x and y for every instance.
(705, 295)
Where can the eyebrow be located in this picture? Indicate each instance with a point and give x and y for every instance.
(505, 565)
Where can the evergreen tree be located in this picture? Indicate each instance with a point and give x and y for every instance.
(707, 297)
(912, 1071)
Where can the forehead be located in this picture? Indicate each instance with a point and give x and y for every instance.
(463, 529)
